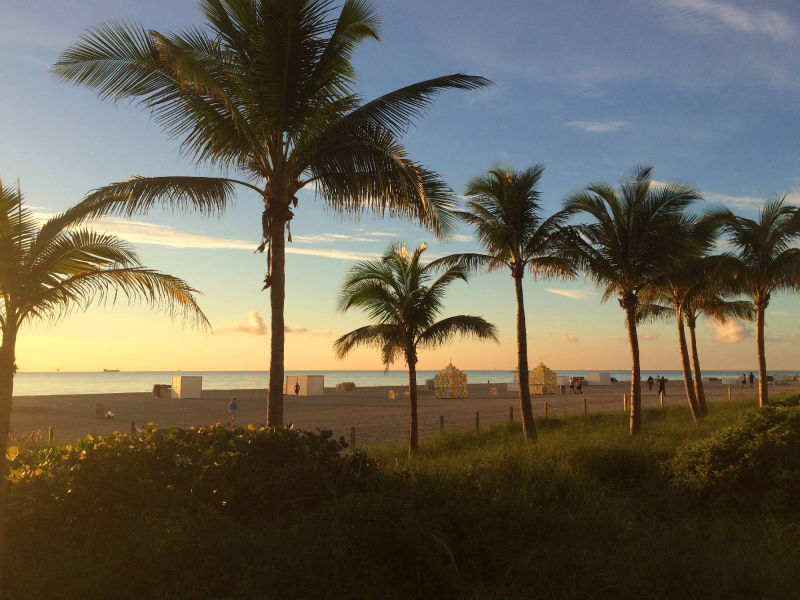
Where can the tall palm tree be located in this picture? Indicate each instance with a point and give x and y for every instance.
(504, 208)
(403, 299)
(267, 89)
(623, 244)
(678, 274)
(50, 270)
(767, 262)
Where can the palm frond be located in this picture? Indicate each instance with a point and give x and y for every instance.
(447, 329)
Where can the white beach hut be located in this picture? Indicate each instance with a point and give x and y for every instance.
(187, 386)
(310, 385)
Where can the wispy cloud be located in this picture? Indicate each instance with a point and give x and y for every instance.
(574, 294)
(648, 336)
(731, 332)
(255, 325)
(747, 202)
(567, 338)
(597, 126)
(330, 237)
(702, 13)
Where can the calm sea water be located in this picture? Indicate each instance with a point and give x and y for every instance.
(34, 384)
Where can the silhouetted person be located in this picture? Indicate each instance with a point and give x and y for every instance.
(752, 379)
(571, 386)
(579, 386)
(743, 379)
(662, 385)
(297, 389)
(650, 383)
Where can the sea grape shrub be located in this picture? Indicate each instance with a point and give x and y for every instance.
(755, 462)
(246, 472)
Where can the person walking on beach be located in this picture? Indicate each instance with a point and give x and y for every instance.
(662, 385)
(571, 386)
(752, 379)
(297, 389)
(650, 382)
(233, 408)
(579, 386)
(744, 381)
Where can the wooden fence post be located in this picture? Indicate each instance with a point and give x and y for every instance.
(585, 407)
(477, 421)
(441, 423)
(510, 414)
(50, 436)
(661, 399)
(729, 392)
(353, 438)
(625, 402)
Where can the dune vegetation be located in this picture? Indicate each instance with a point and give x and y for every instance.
(587, 512)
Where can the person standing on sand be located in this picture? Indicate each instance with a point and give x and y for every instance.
(662, 385)
(233, 408)
(650, 382)
(571, 386)
(297, 389)
(752, 379)
(579, 386)
(743, 379)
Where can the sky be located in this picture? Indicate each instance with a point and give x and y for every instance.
(706, 91)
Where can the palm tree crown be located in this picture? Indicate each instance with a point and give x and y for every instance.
(403, 298)
(624, 245)
(267, 89)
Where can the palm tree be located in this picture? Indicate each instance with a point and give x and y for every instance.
(623, 246)
(708, 293)
(505, 210)
(403, 299)
(677, 278)
(267, 89)
(766, 263)
(50, 270)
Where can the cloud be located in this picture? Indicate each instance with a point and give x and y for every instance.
(648, 336)
(574, 294)
(329, 237)
(255, 325)
(460, 237)
(730, 332)
(701, 13)
(569, 339)
(597, 126)
(140, 232)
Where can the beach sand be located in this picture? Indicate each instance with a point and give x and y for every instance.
(377, 419)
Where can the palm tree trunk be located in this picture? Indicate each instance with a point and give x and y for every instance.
(763, 390)
(277, 294)
(698, 375)
(636, 371)
(697, 415)
(412, 396)
(528, 426)
(7, 360)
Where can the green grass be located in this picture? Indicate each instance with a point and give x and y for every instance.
(587, 512)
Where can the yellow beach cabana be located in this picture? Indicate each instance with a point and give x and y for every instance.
(450, 383)
(541, 380)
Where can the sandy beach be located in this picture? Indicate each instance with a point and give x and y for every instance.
(377, 418)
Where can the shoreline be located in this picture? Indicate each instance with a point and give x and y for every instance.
(377, 418)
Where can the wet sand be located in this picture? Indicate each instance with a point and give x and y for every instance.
(377, 418)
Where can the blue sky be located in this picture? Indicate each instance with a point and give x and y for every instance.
(706, 91)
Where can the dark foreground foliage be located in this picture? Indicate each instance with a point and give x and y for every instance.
(588, 512)
(755, 462)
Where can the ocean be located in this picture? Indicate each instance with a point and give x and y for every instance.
(57, 383)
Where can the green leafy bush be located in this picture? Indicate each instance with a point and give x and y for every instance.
(242, 472)
(756, 460)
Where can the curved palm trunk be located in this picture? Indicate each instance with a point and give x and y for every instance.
(763, 390)
(528, 426)
(698, 375)
(277, 294)
(7, 357)
(412, 396)
(636, 384)
(697, 414)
